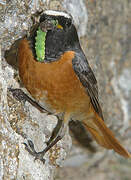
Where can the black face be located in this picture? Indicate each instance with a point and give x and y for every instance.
(61, 36)
(62, 21)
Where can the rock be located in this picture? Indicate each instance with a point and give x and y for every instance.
(21, 121)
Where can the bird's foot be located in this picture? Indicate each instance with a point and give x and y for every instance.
(30, 148)
(21, 96)
(18, 94)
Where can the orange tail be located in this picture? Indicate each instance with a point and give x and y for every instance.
(104, 136)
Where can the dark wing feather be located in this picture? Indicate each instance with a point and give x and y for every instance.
(88, 80)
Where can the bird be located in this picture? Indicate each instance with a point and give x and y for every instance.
(55, 71)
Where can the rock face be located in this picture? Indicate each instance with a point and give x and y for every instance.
(21, 121)
(108, 38)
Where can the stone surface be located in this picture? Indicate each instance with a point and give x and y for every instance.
(78, 11)
(19, 121)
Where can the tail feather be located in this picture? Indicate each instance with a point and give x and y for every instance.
(104, 136)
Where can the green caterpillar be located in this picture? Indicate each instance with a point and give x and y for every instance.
(40, 45)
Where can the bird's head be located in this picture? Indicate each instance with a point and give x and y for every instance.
(55, 35)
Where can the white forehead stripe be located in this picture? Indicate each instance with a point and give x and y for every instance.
(57, 13)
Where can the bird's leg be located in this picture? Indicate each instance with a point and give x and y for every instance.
(39, 155)
(21, 96)
(56, 136)
(56, 129)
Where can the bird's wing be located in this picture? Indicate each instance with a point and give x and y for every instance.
(96, 125)
(88, 80)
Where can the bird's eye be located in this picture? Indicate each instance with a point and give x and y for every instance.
(56, 23)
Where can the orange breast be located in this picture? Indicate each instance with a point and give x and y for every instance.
(54, 84)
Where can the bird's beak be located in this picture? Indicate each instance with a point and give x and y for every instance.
(49, 25)
(59, 26)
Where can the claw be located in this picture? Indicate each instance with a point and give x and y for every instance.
(31, 144)
(30, 148)
(40, 157)
(17, 94)
(21, 96)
